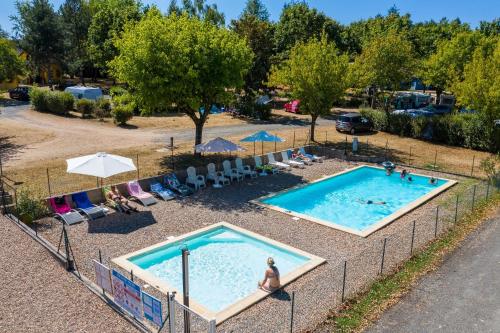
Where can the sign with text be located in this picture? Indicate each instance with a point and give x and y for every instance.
(127, 294)
(152, 309)
(103, 277)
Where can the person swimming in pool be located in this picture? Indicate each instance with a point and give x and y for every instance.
(271, 280)
(404, 173)
(410, 179)
(433, 181)
(371, 202)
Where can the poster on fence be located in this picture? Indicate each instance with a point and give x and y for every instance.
(103, 277)
(152, 309)
(127, 294)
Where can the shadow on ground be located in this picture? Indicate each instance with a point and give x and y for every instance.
(120, 223)
(8, 149)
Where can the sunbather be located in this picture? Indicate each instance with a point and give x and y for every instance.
(298, 156)
(123, 203)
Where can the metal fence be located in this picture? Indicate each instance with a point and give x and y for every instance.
(292, 307)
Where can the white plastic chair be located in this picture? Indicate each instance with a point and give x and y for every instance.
(216, 176)
(198, 181)
(279, 165)
(264, 168)
(246, 170)
(231, 173)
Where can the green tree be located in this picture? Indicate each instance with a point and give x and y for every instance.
(480, 87)
(3, 33)
(446, 67)
(183, 62)
(315, 74)
(199, 9)
(10, 63)
(256, 9)
(426, 36)
(259, 35)
(490, 28)
(299, 23)
(38, 29)
(109, 18)
(76, 18)
(385, 62)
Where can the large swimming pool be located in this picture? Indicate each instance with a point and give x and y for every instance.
(359, 201)
(225, 264)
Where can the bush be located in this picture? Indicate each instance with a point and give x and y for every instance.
(117, 91)
(127, 99)
(102, 108)
(30, 207)
(55, 102)
(378, 118)
(85, 106)
(122, 113)
(247, 107)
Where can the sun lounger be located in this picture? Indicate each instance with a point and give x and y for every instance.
(198, 181)
(306, 160)
(279, 165)
(137, 194)
(86, 207)
(63, 211)
(245, 170)
(217, 177)
(293, 163)
(173, 183)
(161, 191)
(313, 157)
(264, 169)
(231, 173)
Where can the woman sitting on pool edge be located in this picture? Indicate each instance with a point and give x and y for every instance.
(271, 280)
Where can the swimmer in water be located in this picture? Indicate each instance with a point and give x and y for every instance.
(371, 202)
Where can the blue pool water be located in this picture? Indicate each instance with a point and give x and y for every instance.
(224, 265)
(342, 199)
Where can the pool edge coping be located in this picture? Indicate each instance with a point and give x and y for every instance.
(237, 307)
(368, 231)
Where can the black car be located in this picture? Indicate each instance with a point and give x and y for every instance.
(352, 123)
(20, 93)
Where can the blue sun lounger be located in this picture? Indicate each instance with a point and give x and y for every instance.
(86, 207)
(161, 191)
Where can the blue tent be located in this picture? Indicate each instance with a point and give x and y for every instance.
(262, 136)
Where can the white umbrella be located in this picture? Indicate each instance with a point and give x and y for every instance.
(100, 165)
(218, 145)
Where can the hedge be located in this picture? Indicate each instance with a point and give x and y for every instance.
(55, 102)
(85, 106)
(122, 113)
(463, 130)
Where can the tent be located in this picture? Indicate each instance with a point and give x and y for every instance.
(80, 92)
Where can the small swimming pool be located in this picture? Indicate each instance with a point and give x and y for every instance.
(360, 200)
(225, 264)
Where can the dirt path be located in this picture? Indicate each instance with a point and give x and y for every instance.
(36, 136)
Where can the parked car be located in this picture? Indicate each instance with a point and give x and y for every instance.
(293, 106)
(353, 123)
(414, 113)
(438, 109)
(20, 93)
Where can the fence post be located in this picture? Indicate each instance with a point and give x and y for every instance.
(456, 210)
(435, 160)
(412, 237)
(386, 148)
(137, 161)
(172, 151)
(293, 144)
(345, 147)
(343, 281)
(437, 220)
(69, 262)
(473, 197)
(472, 168)
(100, 256)
(212, 326)
(171, 311)
(409, 158)
(383, 257)
(292, 310)
(48, 183)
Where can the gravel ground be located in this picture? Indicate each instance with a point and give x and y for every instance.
(315, 293)
(38, 295)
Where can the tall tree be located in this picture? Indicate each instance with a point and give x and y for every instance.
(259, 35)
(316, 75)
(256, 9)
(183, 61)
(11, 64)
(385, 62)
(299, 23)
(199, 9)
(3, 33)
(76, 18)
(490, 28)
(38, 29)
(109, 18)
(446, 67)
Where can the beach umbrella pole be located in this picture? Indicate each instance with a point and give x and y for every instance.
(254, 148)
(262, 148)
